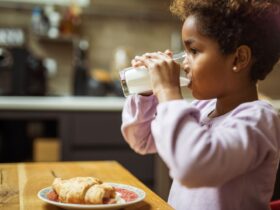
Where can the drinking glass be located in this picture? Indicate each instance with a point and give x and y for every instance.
(136, 80)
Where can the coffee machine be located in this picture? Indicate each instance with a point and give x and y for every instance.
(21, 72)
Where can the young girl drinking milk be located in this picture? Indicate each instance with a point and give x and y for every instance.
(222, 149)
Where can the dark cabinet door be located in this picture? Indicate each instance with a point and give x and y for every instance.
(97, 128)
(97, 136)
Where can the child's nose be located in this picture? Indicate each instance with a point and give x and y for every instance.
(186, 64)
(187, 68)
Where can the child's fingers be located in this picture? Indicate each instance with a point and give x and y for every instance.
(168, 52)
(136, 63)
(154, 55)
(150, 63)
(149, 59)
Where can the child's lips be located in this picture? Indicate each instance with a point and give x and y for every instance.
(190, 78)
(190, 84)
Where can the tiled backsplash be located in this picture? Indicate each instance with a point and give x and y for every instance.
(148, 30)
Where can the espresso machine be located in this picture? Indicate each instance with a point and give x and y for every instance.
(21, 72)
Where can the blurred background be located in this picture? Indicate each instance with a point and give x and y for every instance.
(60, 95)
(97, 36)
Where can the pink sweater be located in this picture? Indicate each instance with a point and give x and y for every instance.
(225, 163)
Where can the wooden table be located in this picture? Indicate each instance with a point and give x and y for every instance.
(20, 183)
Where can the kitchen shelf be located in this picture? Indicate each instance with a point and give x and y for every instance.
(60, 39)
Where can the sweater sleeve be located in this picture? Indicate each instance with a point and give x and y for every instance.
(137, 115)
(198, 156)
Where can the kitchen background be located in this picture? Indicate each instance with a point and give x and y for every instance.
(110, 32)
(75, 48)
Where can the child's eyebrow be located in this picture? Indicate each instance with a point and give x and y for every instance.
(188, 42)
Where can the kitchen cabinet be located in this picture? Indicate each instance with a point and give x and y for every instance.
(96, 136)
(88, 129)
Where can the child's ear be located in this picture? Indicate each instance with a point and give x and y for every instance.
(243, 58)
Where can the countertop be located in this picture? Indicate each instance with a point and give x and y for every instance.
(70, 103)
(61, 103)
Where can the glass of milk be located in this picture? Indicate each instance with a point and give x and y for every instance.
(136, 80)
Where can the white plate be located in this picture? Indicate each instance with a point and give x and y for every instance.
(42, 194)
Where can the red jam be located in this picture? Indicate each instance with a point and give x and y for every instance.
(127, 195)
(52, 196)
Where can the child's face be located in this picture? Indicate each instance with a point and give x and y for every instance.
(210, 70)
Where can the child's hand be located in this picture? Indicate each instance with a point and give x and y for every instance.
(164, 73)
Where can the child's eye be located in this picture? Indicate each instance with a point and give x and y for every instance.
(193, 51)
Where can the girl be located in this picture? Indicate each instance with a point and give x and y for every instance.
(222, 150)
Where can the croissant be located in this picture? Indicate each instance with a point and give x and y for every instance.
(83, 190)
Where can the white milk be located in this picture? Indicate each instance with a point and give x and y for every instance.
(137, 80)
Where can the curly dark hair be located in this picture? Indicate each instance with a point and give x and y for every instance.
(255, 23)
